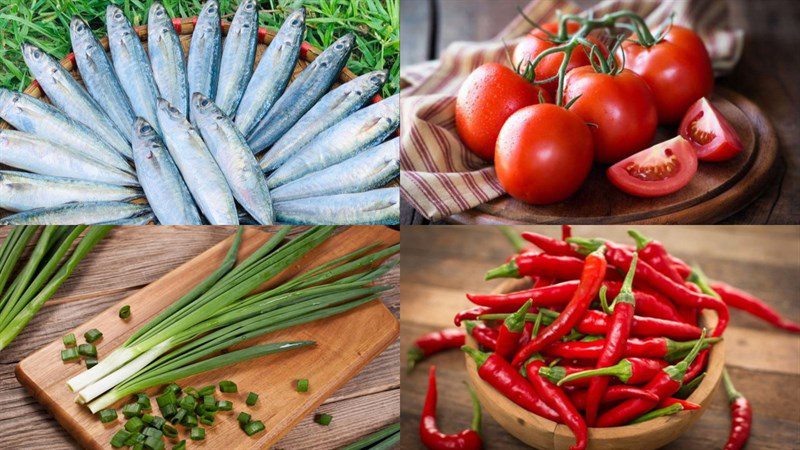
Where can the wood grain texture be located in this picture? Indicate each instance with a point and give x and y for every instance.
(441, 264)
(366, 403)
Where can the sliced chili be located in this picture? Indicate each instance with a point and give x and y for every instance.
(429, 431)
(434, 342)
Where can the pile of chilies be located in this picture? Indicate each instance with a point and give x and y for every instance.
(565, 351)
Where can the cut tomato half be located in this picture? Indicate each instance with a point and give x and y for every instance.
(659, 170)
(713, 138)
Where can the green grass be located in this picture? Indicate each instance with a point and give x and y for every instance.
(375, 23)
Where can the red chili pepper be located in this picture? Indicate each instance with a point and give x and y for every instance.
(549, 245)
(541, 282)
(471, 314)
(559, 401)
(664, 384)
(436, 440)
(697, 367)
(613, 394)
(508, 381)
(556, 373)
(558, 267)
(566, 232)
(483, 335)
(597, 323)
(434, 342)
(511, 332)
(592, 277)
(749, 303)
(687, 406)
(526, 335)
(653, 252)
(553, 295)
(648, 303)
(628, 370)
(642, 348)
(741, 415)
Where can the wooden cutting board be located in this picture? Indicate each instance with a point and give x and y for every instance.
(716, 191)
(345, 344)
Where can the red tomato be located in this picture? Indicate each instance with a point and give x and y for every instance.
(710, 134)
(659, 170)
(677, 69)
(544, 154)
(489, 95)
(537, 41)
(621, 106)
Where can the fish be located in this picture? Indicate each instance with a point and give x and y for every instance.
(238, 57)
(205, 51)
(361, 130)
(142, 219)
(368, 170)
(273, 72)
(45, 157)
(166, 58)
(234, 158)
(163, 186)
(70, 97)
(333, 107)
(201, 173)
(132, 66)
(34, 116)
(376, 207)
(21, 191)
(98, 75)
(87, 213)
(304, 92)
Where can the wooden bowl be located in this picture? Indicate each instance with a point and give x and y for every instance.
(542, 433)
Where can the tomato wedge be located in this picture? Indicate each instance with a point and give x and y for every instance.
(710, 134)
(657, 171)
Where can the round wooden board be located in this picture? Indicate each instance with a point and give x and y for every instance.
(717, 190)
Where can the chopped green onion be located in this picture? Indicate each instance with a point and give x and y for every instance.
(208, 419)
(90, 362)
(153, 432)
(178, 416)
(302, 385)
(144, 400)
(69, 340)
(207, 390)
(174, 388)
(243, 419)
(158, 422)
(119, 438)
(169, 410)
(167, 398)
(107, 415)
(154, 443)
(209, 403)
(87, 350)
(138, 446)
(180, 445)
(148, 418)
(131, 410)
(228, 387)
(70, 354)
(189, 421)
(323, 419)
(188, 403)
(125, 312)
(252, 398)
(197, 434)
(254, 427)
(134, 424)
(191, 391)
(92, 335)
(224, 405)
(170, 431)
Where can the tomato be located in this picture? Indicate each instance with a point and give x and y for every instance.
(620, 106)
(544, 154)
(537, 41)
(677, 69)
(659, 170)
(489, 95)
(712, 137)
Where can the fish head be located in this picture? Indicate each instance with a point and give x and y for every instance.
(115, 18)
(336, 52)
(377, 78)
(297, 19)
(166, 107)
(246, 14)
(210, 8)
(143, 130)
(203, 107)
(78, 27)
(34, 57)
(158, 16)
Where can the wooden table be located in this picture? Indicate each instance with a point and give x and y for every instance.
(130, 258)
(440, 264)
(766, 74)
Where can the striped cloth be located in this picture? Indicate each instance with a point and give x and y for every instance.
(440, 177)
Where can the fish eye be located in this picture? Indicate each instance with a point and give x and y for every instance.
(358, 92)
(118, 15)
(323, 64)
(204, 102)
(146, 129)
(173, 110)
(37, 54)
(79, 27)
(165, 30)
(339, 46)
(295, 22)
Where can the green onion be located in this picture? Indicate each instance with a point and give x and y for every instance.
(153, 432)
(70, 354)
(174, 388)
(107, 415)
(191, 391)
(125, 312)
(209, 403)
(207, 419)
(144, 400)
(388, 443)
(252, 398)
(134, 424)
(180, 445)
(243, 419)
(224, 405)
(131, 410)
(90, 362)
(154, 443)
(170, 431)
(93, 335)
(197, 434)
(254, 427)
(167, 398)
(374, 438)
(119, 438)
(69, 340)
(302, 385)
(158, 422)
(178, 416)
(133, 438)
(148, 418)
(188, 403)
(207, 390)
(169, 410)
(228, 387)
(323, 419)
(87, 350)
(138, 446)
(189, 421)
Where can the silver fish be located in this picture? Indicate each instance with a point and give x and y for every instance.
(163, 186)
(98, 75)
(205, 51)
(32, 153)
(370, 169)
(166, 58)
(34, 116)
(312, 83)
(273, 72)
(377, 207)
(234, 158)
(69, 96)
(201, 173)
(87, 213)
(142, 219)
(333, 107)
(362, 130)
(238, 57)
(132, 66)
(21, 191)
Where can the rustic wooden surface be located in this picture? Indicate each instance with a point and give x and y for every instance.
(126, 261)
(440, 264)
(765, 74)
